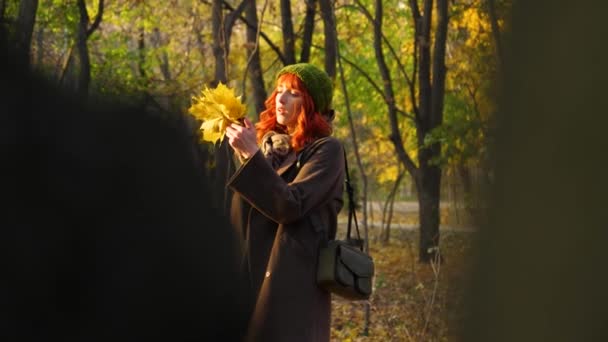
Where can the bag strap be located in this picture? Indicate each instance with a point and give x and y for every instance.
(352, 214)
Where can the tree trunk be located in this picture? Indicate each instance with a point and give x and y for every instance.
(38, 61)
(141, 54)
(84, 31)
(431, 80)
(218, 43)
(464, 174)
(84, 76)
(496, 33)
(25, 27)
(3, 24)
(253, 51)
(219, 154)
(222, 29)
(428, 202)
(2, 10)
(329, 24)
(228, 23)
(157, 42)
(427, 108)
(387, 213)
(309, 25)
(288, 35)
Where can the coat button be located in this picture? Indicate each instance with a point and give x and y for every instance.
(267, 274)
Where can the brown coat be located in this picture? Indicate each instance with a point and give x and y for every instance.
(283, 216)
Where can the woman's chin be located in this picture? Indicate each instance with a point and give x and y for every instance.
(281, 120)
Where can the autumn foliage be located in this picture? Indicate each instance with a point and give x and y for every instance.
(411, 301)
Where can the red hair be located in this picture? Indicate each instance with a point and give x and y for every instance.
(310, 123)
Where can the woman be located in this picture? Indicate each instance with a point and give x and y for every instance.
(287, 194)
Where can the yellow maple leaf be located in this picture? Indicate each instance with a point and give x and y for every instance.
(217, 108)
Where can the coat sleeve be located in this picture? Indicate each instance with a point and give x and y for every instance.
(259, 184)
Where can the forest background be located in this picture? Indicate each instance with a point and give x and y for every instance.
(414, 101)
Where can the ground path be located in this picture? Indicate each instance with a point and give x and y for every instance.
(400, 208)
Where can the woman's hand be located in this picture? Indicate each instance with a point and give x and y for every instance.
(243, 138)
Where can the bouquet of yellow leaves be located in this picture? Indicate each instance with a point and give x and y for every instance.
(217, 108)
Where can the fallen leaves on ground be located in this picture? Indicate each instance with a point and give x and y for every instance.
(411, 301)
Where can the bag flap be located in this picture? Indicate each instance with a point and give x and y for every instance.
(364, 285)
(356, 261)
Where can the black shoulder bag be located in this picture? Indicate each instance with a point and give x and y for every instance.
(343, 267)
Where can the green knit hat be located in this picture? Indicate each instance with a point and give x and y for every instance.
(316, 81)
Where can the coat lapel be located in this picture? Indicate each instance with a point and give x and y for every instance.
(291, 158)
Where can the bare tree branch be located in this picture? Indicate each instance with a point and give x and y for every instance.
(410, 83)
(395, 135)
(415, 9)
(230, 19)
(401, 67)
(273, 46)
(97, 19)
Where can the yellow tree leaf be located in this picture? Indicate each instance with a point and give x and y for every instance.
(212, 131)
(217, 108)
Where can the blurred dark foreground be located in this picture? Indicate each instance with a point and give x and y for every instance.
(108, 232)
(542, 259)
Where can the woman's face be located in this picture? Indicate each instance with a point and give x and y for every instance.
(288, 106)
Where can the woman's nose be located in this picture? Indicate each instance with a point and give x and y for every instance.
(281, 97)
